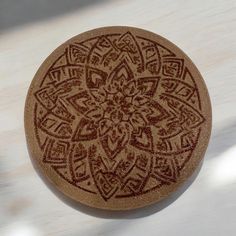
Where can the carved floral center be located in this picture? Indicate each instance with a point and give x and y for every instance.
(118, 108)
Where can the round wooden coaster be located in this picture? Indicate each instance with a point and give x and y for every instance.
(117, 118)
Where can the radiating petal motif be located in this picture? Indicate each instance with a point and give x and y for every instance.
(118, 97)
(82, 102)
(137, 121)
(102, 48)
(164, 170)
(187, 115)
(86, 130)
(104, 126)
(143, 139)
(130, 89)
(99, 95)
(128, 44)
(54, 127)
(116, 116)
(148, 85)
(77, 54)
(96, 113)
(121, 75)
(156, 113)
(78, 158)
(140, 100)
(108, 106)
(107, 184)
(95, 78)
(172, 67)
(128, 108)
(115, 139)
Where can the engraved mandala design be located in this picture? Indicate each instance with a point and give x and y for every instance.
(117, 115)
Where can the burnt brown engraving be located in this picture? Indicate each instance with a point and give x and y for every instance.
(117, 115)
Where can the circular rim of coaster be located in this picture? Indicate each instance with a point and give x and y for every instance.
(144, 199)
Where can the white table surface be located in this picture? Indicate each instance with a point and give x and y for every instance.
(205, 30)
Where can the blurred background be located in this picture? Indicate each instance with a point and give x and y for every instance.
(204, 29)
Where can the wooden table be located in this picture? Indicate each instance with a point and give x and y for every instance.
(204, 29)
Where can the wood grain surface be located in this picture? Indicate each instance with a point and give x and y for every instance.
(205, 30)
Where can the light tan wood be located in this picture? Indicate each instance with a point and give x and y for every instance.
(117, 118)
